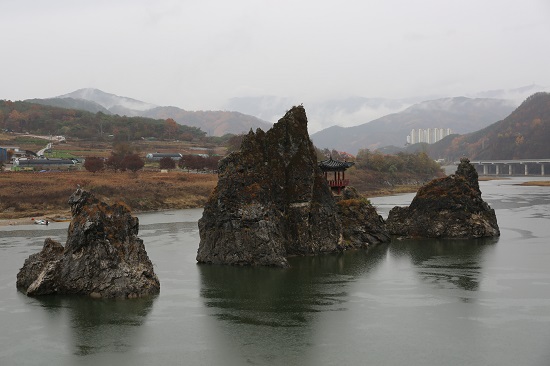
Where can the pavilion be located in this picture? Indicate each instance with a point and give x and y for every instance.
(336, 181)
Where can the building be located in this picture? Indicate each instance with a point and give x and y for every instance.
(335, 173)
(44, 164)
(158, 156)
(427, 135)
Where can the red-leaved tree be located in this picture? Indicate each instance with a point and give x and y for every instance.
(94, 164)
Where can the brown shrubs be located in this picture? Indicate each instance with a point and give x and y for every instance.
(25, 194)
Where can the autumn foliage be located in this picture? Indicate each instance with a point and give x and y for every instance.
(46, 120)
(167, 163)
(94, 164)
(524, 134)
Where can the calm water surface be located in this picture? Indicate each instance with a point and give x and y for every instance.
(412, 302)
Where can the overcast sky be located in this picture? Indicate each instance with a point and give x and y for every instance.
(197, 54)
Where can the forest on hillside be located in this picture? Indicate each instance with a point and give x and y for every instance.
(25, 117)
(524, 134)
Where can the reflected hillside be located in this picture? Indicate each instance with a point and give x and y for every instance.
(100, 326)
(450, 263)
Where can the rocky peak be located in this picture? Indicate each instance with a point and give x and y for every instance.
(271, 201)
(103, 257)
(468, 172)
(449, 207)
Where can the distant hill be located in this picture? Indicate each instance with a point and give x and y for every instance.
(215, 123)
(344, 112)
(72, 103)
(33, 118)
(355, 110)
(524, 134)
(110, 101)
(460, 114)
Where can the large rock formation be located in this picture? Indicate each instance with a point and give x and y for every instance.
(271, 201)
(449, 207)
(362, 226)
(103, 256)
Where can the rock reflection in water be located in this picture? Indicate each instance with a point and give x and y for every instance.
(268, 313)
(446, 263)
(101, 326)
(284, 297)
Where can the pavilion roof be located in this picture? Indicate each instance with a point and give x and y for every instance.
(334, 165)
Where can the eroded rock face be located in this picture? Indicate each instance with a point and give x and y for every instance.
(449, 207)
(271, 201)
(362, 226)
(103, 256)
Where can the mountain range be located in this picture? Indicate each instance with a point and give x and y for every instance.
(524, 134)
(214, 123)
(460, 114)
(356, 110)
(394, 121)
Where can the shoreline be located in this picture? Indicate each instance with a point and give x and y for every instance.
(29, 219)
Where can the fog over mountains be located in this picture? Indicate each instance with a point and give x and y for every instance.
(355, 110)
(346, 124)
(460, 114)
(111, 102)
(214, 123)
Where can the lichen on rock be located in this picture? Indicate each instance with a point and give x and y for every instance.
(449, 207)
(271, 201)
(103, 256)
(362, 226)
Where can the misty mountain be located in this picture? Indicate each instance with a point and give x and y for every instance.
(71, 103)
(268, 108)
(460, 114)
(349, 111)
(355, 110)
(524, 134)
(516, 94)
(215, 123)
(110, 101)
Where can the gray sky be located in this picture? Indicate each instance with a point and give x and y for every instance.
(197, 54)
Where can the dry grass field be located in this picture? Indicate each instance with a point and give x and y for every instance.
(32, 194)
(542, 183)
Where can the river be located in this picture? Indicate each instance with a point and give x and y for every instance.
(411, 302)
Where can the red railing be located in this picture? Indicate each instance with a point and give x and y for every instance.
(338, 183)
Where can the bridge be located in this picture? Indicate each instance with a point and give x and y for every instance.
(511, 167)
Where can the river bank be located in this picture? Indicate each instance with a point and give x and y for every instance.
(26, 196)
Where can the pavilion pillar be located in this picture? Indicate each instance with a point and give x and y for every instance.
(497, 167)
(485, 169)
(541, 169)
(526, 170)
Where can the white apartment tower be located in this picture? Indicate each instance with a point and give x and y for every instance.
(427, 135)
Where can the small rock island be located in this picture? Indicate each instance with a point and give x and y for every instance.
(449, 207)
(272, 201)
(103, 256)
